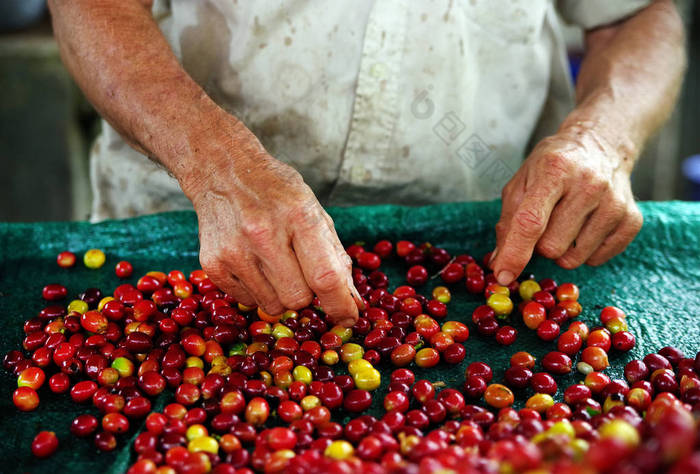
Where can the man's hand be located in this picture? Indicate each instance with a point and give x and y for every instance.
(266, 240)
(571, 201)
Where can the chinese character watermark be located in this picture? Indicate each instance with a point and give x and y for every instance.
(469, 148)
(473, 151)
(449, 128)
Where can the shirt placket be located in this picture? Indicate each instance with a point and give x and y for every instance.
(366, 161)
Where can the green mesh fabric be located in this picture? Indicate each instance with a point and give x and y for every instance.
(656, 281)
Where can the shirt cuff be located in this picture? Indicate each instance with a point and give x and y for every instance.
(591, 14)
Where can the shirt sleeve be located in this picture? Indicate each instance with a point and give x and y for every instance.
(589, 14)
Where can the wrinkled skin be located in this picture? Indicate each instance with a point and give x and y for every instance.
(266, 240)
(571, 201)
(264, 237)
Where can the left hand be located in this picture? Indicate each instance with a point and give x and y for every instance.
(571, 200)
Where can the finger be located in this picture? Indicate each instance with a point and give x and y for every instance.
(239, 292)
(218, 273)
(282, 270)
(511, 197)
(346, 261)
(565, 224)
(325, 274)
(593, 233)
(231, 286)
(525, 227)
(617, 242)
(248, 271)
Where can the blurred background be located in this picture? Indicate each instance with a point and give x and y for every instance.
(47, 126)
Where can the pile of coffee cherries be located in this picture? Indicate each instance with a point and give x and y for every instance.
(247, 391)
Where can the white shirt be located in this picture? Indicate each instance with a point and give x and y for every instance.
(372, 101)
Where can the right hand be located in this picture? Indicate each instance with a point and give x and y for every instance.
(264, 237)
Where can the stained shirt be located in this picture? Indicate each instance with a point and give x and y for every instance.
(372, 101)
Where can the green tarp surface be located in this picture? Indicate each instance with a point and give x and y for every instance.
(656, 282)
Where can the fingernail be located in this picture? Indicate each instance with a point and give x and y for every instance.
(505, 277)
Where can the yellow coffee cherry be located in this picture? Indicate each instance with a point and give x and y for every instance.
(620, 430)
(194, 361)
(94, 258)
(330, 357)
(339, 450)
(124, 366)
(609, 404)
(254, 347)
(351, 351)
(368, 379)
(539, 402)
(302, 374)
(616, 325)
(358, 364)
(79, 306)
(280, 330)
(220, 369)
(528, 288)
(562, 427)
(442, 294)
(204, 443)
(344, 333)
(266, 377)
(309, 402)
(103, 302)
(196, 431)
(500, 304)
(584, 368)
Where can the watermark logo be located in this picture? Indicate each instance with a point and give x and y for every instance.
(473, 151)
(422, 107)
(448, 128)
(469, 148)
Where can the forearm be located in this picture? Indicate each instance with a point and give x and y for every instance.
(124, 65)
(630, 79)
(264, 238)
